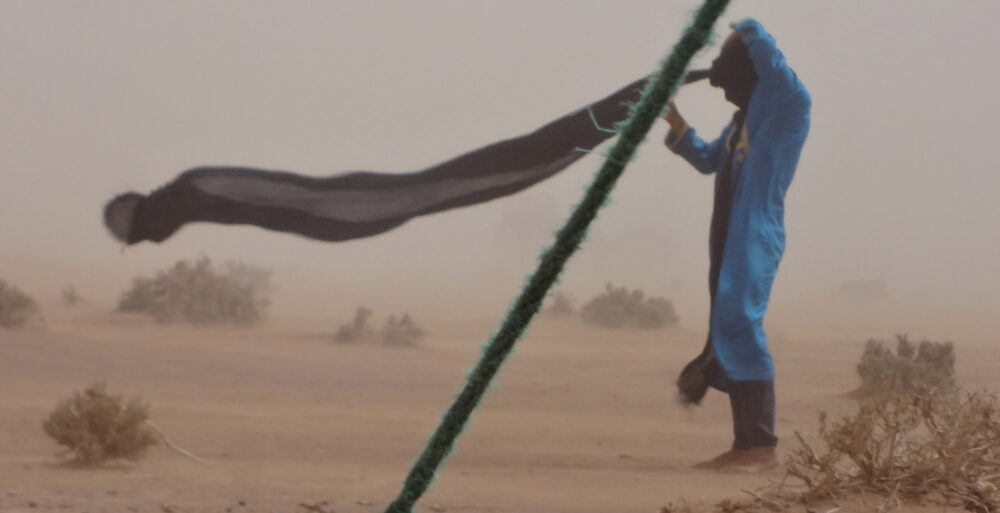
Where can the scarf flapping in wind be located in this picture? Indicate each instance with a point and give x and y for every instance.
(361, 204)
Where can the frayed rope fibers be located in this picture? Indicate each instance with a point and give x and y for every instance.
(652, 103)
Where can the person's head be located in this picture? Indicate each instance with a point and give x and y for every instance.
(733, 71)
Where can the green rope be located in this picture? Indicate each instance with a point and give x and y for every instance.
(568, 239)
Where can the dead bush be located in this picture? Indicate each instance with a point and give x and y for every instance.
(70, 297)
(923, 444)
(618, 307)
(199, 294)
(929, 364)
(16, 307)
(560, 306)
(359, 329)
(401, 332)
(96, 426)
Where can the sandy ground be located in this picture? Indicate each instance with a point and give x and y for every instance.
(581, 420)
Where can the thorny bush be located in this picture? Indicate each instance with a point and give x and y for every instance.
(96, 426)
(908, 446)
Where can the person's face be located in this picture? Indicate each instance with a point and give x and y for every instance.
(733, 71)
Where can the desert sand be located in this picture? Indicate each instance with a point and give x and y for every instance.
(580, 420)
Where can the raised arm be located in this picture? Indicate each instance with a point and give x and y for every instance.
(684, 141)
(774, 76)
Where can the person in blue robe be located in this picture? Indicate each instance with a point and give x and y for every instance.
(754, 160)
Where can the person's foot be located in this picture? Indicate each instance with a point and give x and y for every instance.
(754, 460)
(720, 460)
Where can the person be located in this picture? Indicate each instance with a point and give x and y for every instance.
(753, 160)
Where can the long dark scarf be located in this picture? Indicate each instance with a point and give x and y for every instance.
(734, 72)
(704, 371)
(362, 204)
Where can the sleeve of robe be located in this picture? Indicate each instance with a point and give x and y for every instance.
(706, 157)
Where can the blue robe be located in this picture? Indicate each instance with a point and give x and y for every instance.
(766, 155)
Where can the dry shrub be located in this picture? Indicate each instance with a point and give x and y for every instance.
(929, 364)
(560, 306)
(924, 444)
(359, 329)
(96, 426)
(16, 307)
(925, 447)
(618, 307)
(70, 297)
(199, 294)
(401, 332)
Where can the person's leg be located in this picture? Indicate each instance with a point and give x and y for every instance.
(740, 444)
(755, 403)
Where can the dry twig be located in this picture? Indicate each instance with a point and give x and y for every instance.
(181, 450)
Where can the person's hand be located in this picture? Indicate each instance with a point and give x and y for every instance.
(674, 119)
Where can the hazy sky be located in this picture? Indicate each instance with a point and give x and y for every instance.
(892, 218)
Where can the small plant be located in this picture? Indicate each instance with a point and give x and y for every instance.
(908, 446)
(618, 307)
(401, 332)
(199, 294)
(70, 296)
(357, 330)
(96, 426)
(560, 306)
(929, 364)
(16, 307)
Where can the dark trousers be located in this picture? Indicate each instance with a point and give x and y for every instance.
(753, 414)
